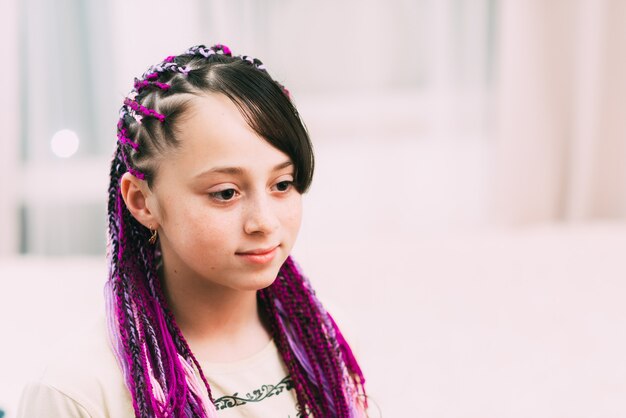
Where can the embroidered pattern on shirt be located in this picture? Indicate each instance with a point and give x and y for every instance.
(257, 395)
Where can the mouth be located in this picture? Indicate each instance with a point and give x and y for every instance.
(259, 255)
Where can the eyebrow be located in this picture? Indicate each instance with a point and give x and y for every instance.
(239, 170)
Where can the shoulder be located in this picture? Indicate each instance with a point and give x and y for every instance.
(82, 376)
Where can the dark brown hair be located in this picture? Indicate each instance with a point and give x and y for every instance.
(263, 102)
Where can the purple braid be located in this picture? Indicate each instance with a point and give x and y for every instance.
(162, 374)
(327, 363)
(143, 110)
(295, 367)
(295, 331)
(144, 344)
(147, 83)
(353, 376)
(292, 294)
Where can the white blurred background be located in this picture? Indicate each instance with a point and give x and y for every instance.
(467, 220)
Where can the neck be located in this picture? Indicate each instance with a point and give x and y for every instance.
(220, 324)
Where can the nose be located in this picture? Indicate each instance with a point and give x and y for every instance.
(260, 216)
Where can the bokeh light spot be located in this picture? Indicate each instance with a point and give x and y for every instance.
(64, 143)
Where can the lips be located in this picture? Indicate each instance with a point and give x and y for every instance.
(258, 251)
(259, 255)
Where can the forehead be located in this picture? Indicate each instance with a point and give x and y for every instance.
(215, 133)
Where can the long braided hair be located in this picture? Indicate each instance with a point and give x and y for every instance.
(161, 372)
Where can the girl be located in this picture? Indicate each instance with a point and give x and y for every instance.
(207, 311)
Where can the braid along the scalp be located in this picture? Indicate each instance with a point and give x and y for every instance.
(162, 374)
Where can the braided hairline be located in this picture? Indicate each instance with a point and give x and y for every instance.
(135, 110)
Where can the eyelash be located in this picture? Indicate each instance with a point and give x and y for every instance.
(216, 195)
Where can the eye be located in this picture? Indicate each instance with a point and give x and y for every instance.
(284, 186)
(224, 195)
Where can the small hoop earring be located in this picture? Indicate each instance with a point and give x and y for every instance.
(153, 237)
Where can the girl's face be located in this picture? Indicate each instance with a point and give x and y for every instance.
(223, 196)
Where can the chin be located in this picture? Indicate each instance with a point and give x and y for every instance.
(266, 279)
(254, 280)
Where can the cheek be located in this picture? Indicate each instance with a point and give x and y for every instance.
(205, 233)
(292, 215)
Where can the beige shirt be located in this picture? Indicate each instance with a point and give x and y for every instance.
(86, 381)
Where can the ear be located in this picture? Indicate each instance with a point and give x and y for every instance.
(139, 200)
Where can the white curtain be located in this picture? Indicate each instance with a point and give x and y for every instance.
(561, 101)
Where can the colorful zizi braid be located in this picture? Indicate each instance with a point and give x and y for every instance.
(162, 374)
